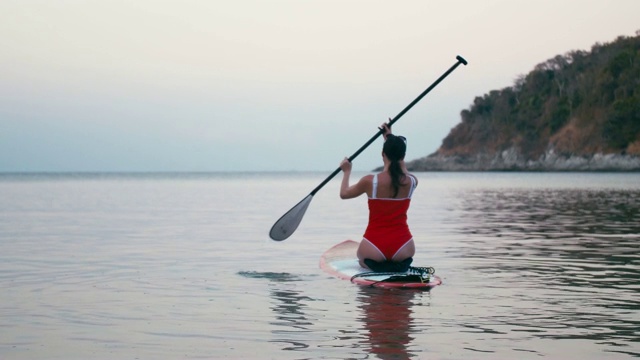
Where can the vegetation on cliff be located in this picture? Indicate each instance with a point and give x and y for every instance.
(580, 103)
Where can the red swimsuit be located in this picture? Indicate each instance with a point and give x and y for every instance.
(388, 230)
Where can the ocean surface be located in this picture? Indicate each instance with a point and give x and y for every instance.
(180, 266)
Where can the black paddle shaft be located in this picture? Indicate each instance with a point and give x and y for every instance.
(460, 60)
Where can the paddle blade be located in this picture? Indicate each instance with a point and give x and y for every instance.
(288, 223)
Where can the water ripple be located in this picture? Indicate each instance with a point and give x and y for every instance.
(577, 250)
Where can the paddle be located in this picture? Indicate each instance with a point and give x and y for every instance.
(288, 223)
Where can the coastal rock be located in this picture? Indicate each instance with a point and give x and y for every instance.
(512, 160)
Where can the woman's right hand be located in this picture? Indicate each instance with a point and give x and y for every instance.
(386, 129)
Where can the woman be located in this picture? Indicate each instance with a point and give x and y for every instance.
(387, 244)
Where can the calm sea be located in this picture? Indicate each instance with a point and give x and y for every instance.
(172, 266)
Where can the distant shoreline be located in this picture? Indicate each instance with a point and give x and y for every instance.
(511, 160)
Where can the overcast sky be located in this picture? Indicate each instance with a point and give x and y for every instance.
(257, 85)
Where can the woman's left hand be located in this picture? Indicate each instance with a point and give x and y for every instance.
(345, 165)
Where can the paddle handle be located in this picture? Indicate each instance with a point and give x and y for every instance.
(459, 60)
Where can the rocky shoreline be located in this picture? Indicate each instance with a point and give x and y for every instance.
(512, 160)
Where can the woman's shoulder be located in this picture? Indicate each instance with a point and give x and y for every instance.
(367, 179)
(415, 178)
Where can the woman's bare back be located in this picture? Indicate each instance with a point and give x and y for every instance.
(385, 189)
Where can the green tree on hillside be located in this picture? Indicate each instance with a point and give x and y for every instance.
(594, 96)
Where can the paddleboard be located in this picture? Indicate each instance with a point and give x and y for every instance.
(341, 261)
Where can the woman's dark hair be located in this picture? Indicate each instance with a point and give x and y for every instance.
(395, 148)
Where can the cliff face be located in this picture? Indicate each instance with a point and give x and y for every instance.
(578, 111)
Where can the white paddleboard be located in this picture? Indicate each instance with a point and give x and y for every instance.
(341, 261)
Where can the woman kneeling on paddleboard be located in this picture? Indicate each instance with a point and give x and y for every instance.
(387, 244)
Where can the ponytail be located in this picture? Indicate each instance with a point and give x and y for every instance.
(394, 148)
(397, 175)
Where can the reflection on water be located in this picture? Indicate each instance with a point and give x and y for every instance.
(577, 250)
(388, 320)
(383, 325)
(290, 320)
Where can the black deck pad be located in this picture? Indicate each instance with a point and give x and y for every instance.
(388, 266)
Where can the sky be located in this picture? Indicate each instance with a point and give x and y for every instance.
(257, 85)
